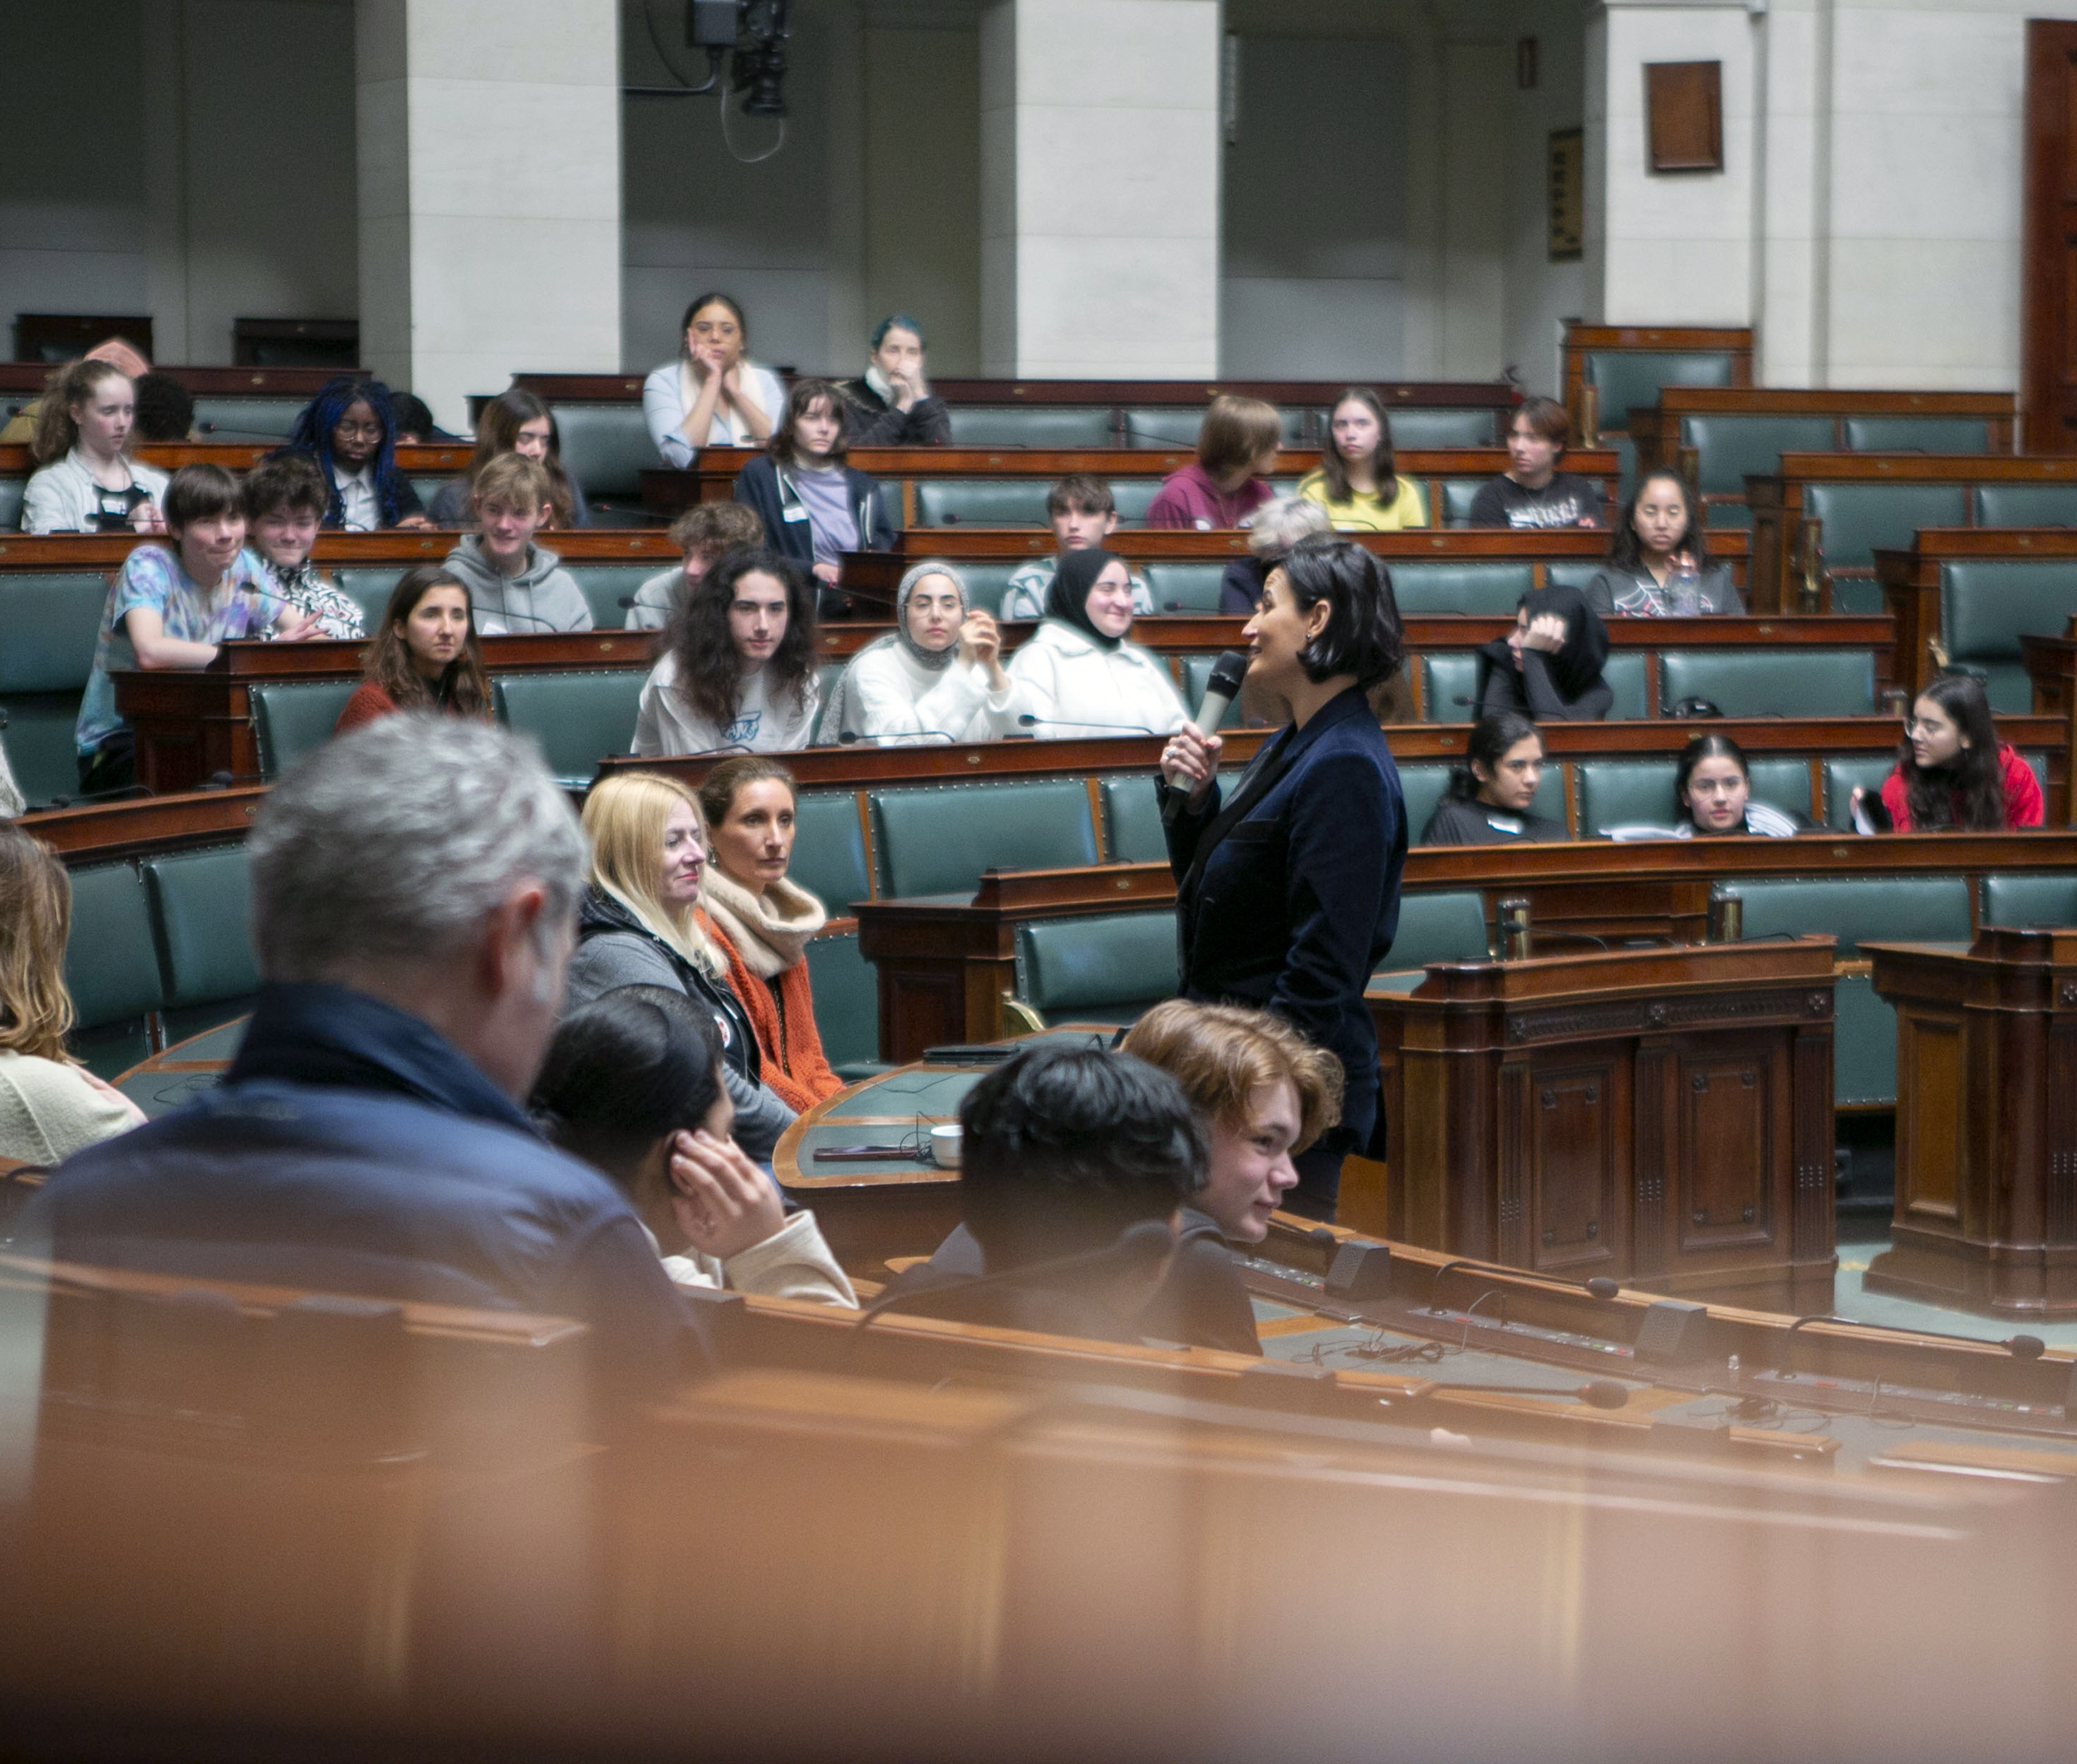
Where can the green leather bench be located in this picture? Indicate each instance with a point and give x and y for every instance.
(981, 502)
(1458, 494)
(201, 910)
(1879, 909)
(233, 420)
(1986, 606)
(986, 582)
(605, 448)
(112, 968)
(12, 491)
(1196, 677)
(1627, 378)
(1447, 926)
(1109, 969)
(577, 718)
(289, 721)
(2029, 899)
(1422, 787)
(1132, 820)
(1729, 447)
(846, 988)
(606, 585)
(2026, 506)
(1184, 587)
(1639, 793)
(1770, 682)
(1918, 435)
(369, 589)
(1423, 589)
(1447, 677)
(48, 625)
(938, 839)
(1420, 430)
(1842, 774)
(829, 852)
(1859, 516)
(1038, 425)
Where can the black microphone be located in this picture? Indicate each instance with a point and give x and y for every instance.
(1028, 721)
(851, 738)
(1599, 1394)
(1220, 691)
(1137, 1250)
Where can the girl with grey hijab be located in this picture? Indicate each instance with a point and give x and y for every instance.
(937, 676)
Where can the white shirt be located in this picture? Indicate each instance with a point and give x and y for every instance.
(905, 704)
(665, 723)
(363, 512)
(63, 497)
(1081, 691)
(670, 393)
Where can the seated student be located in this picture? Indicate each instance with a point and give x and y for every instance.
(1079, 675)
(50, 1106)
(1549, 665)
(350, 429)
(1658, 563)
(1489, 795)
(1953, 773)
(514, 421)
(518, 587)
(632, 1085)
(415, 423)
(1083, 514)
(703, 535)
(1064, 1151)
(413, 890)
(284, 500)
(1532, 492)
(889, 404)
(739, 667)
(1237, 447)
(170, 607)
(1262, 1093)
(1712, 797)
(713, 394)
(87, 482)
(762, 921)
(813, 506)
(165, 409)
(20, 429)
(1277, 528)
(425, 655)
(640, 925)
(1354, 481)
(937, 676)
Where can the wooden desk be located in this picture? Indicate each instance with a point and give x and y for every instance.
(1655, 430)
(400, 547)
(414, 460)
(1986, 1122)
(1663, 1116)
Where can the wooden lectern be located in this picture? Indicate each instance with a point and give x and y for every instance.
(1661, 1116)
(1986, 1122)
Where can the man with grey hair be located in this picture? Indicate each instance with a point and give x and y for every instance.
(414, 890)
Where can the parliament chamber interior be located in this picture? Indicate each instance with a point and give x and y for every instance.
(986, 878)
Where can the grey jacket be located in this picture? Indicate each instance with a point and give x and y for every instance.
(543, 597)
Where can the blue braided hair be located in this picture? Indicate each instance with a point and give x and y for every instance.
(312, 434)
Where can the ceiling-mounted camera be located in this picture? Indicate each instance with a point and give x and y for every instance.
(752, 32)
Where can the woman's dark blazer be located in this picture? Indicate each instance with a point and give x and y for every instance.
(1288, 897)
(766, 486)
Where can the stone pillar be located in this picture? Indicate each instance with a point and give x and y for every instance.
(488, 135)
(1100, 149)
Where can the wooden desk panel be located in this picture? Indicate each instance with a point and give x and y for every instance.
(398, 545)
(413, 461)
(1582, 340)
(1655, 430)
(1496, 395)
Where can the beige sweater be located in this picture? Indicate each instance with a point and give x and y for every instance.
(792, 1263)
(48, 1111)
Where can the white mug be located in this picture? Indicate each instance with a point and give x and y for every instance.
(945, 1147)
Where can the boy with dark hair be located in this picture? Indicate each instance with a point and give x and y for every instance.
(165, 409)
(284, 498)
(1083, 514)
(702, 534)
(1532, 492)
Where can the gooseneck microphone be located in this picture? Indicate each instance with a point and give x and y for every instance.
(851, 738)
(1028, 721)
(1220, 691)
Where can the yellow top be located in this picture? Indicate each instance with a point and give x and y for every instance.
(1362, 514)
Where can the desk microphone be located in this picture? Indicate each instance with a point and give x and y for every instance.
(851, 738)
(1028, 721)
(1136, 1250)
(1220, 691)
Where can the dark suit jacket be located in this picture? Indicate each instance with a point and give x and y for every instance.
(1288, 898)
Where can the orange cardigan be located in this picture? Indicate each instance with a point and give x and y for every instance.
(794, 1065)
(368, 702)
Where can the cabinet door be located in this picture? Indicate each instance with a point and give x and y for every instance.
(1578, 1142)
(1730, 1099)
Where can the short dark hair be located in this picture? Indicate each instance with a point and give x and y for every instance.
(412, 416)
(166, 408)
(1362, 634)
(1083, 491)
(1546, 417)
(634, 1065)
(713, 298)
(1064, 1146)
(805, 396)
(1491, 737)
(285, 480)
(197, 492)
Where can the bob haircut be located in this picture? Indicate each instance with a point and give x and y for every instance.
(712, 527)
(1235, 433)
(1545, 417)
(57, 428)
(624, 820)
(625, 1071)
(1080, 492)
(1713, 746)
(287, 482)
(36, 917)
(718, 789)
(1362, 635)
(513, 481)
(197, 492)
(1627, 552)
(463, 687)
(784, 446)
(710, 669)
(1221, 1054)
(713, 299)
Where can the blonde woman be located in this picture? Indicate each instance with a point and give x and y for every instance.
(50, 1106)
(640, 925)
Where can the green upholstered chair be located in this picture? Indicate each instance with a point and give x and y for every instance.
(1918, 435)
(1623, 793)
(1176, 425)
(1445, 677)
(829, 851)
(1458, 494)
(1036, 425)
(1423, 788)
(605, 448)
(938, 839)
(1624, 672)
(1859, 516)
(577, 718)
(1572, 573)
(605, 585)
(1132, 820)
(1987, 606)
(289, 721)
(1109, 969)
(1134, 497)
(1842, 773)
(12, 491)
(112, 968)
(1427, 588)
(1879, 909)
(1433, 927)
(1626, 378)
(846, 989)
(201, 910)
(986, 582)
(370, 589)
(426, 488)
(2026, 506)
(1860, 596)
(2029, 899)
(233, 419)
(1729, 447)
(981, 502)
(1413, 429)
(1183, 588)
(1770, 682)
(1781, 783)
(48, 624)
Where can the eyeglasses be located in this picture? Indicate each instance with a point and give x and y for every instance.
(1919, 725)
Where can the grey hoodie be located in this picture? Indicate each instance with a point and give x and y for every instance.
(541, 597)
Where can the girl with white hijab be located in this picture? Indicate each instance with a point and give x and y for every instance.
(937, 676)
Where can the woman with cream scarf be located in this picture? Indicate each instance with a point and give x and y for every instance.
(713, 394)
(765, 921)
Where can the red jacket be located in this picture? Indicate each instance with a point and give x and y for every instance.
(368, 702)
(1189, 498)
(2022, 795)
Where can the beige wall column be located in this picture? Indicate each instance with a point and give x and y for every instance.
(488, 134)
(1100, 149)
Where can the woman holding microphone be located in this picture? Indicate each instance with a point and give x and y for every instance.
(1288, 893)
